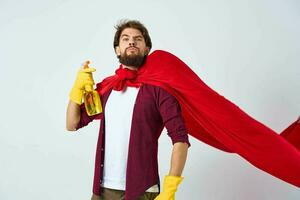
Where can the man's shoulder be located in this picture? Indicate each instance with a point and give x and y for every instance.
(150, 87)
(156, 90)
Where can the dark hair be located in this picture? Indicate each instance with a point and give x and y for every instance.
(123, 24)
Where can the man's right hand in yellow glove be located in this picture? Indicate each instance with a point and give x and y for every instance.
(84, 77)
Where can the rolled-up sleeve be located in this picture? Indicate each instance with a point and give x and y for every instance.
(170, 111)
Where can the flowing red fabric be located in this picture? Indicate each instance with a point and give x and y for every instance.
(215, 120)
(292, 134)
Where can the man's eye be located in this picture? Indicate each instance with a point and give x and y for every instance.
(125, 39)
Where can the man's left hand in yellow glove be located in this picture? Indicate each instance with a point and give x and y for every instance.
(174, 178)
(169, 188)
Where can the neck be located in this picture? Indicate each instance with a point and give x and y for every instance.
(130, 67)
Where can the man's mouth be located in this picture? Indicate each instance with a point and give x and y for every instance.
(132, 49)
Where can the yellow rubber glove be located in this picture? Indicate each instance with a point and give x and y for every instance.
(169, 188)
(84, 77)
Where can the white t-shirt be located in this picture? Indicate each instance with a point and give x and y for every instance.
(118, 117)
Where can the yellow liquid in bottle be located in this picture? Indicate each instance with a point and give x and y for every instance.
(92, 102)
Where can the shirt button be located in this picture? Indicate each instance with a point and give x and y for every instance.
(102, 149)
(101, 165)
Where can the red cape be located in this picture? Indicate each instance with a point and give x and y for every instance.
(218, 122)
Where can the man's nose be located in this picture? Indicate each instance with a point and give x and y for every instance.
(131, 42)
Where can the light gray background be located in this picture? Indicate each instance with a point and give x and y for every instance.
(248, 51)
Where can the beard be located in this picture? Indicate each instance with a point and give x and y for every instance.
(132, 60)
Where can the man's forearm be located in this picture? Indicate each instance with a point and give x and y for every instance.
(73, 116)
(179, 155)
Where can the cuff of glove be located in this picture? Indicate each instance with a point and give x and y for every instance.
(172, 182)
(76, 95)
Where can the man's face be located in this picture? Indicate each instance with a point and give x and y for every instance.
(132, 48)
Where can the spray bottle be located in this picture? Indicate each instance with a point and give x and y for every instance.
(91, 97)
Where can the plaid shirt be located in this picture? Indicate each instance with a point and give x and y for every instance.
(154, 109)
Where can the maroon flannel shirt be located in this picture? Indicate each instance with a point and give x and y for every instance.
(154, 109)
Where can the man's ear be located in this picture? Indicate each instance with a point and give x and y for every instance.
(117, 50)
(147, 50)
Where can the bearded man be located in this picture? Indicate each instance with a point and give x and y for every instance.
(133, 117)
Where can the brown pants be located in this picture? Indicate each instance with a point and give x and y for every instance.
(110, 194)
